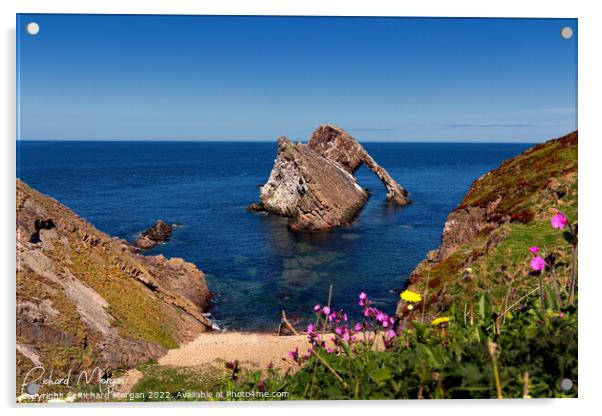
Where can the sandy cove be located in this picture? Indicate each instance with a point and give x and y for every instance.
(257, 349)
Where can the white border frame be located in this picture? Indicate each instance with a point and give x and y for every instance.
(590, 70)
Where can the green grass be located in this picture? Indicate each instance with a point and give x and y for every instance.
(518, 179)
(165, 383)
(534, 182)
(137, 314)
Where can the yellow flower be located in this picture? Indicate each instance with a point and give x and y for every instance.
(440, 320)
(410, 296)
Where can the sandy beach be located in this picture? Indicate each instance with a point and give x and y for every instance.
(256, 349)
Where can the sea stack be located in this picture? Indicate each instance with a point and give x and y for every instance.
(158, 233)
(337, 145)
(313, 184)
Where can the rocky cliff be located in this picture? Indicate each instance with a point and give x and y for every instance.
(313, 183)
(504, 212)
(85, 299)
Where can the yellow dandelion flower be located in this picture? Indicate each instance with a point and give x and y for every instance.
(440, 320)
(410, 296)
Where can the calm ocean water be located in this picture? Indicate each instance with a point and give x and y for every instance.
(256, 267)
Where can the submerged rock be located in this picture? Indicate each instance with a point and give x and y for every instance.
(158, 233)
(313, 184)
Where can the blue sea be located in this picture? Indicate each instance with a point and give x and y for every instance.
(255, 266)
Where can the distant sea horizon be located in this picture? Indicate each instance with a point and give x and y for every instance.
(254, 265)
(411, 141)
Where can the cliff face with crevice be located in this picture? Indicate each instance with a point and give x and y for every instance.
(504, 212)
(85, 299)
(313, 184)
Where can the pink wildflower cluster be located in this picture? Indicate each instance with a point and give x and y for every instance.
(558, 221)
(537, 263)
(298, 358)
(337, 323)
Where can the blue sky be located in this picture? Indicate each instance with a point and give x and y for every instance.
(101, 77)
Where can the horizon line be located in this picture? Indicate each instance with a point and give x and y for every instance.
(410, 141)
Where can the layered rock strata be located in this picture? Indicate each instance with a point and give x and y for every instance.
(85, 299)
(313, 184)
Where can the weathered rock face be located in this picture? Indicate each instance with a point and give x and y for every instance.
(314, 192)
(313, 183)
(85, 299)
(493, 199)
(509, 202)
(337, 145)
(158, 233)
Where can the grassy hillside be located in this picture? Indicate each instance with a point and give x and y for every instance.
(519, 198)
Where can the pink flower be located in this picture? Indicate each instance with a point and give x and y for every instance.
(391, 333)
(338, 330)
(317, 308)
(363, 296)
(358, 327)
(326, 310)
(537, 263)
(534, 249)
(310, 328)
(559, 221)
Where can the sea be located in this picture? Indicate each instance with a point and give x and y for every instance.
(255, 267)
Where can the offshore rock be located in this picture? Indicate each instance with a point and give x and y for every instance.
(313, 184)
(337, 145)
(313, 191)
(158, 233)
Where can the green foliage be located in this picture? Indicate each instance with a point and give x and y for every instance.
(446, 361)
(166, 383)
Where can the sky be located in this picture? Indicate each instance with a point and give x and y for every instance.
(218, 78)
